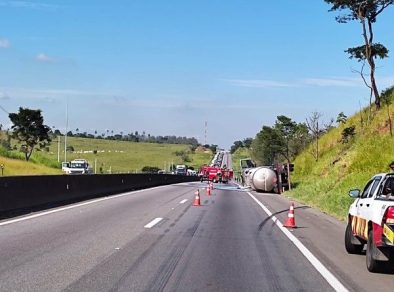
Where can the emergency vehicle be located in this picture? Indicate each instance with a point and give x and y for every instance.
(371, 222)
(215, 174)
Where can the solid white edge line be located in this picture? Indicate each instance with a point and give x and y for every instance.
(327, 275)
(183, 201)
(78, 205)
(153, 222)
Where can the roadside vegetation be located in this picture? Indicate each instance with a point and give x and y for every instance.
(345, 161)
(239, 153)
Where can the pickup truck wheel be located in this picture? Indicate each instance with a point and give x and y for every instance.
(350, 247)
(373, 265)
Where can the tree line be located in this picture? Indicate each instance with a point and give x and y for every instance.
(31, 133)
(283, 141)
(132, 137)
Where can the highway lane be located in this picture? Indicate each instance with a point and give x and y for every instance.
(223, 245)
(323, 235)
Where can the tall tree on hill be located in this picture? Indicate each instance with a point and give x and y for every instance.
(29, 129)
(366, 12)
(235, 146)
(287, 129)
(314, 126)
(247, 142)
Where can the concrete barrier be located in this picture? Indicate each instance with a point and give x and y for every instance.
(21, 194)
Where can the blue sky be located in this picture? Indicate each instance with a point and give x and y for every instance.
(166, 67)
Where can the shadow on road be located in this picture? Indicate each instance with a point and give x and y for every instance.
(262, 224)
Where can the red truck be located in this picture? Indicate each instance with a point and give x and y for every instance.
(215, 174)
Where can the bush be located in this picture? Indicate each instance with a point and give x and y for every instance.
(150, 169)
(347, 134)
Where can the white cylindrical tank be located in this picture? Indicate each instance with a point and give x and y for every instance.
(262, 179)
(248, 174)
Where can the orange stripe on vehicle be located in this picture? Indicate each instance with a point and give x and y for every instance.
(365, 229)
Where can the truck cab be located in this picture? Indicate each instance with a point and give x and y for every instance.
(371, 222)
(79, 166)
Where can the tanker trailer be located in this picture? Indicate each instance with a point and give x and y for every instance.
(262, 179)
(249, 176)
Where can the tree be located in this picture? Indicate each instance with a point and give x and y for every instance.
(29, 129)
(266, 146)
(315, 130)
(341, 118)
(365, 11)
(287, 129)
(57, 132)
(247, 142)
(235, 146)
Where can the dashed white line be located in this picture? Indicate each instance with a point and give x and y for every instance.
(330, 278)
(153, 222)
(183, 201)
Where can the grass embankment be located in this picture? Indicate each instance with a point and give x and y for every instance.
(111, 156)
(325, 183)
(240, 153)
(19, 167)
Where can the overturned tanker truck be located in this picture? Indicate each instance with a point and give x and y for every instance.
(263, 178)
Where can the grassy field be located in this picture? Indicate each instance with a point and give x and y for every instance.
(113, 156)
(325, 183)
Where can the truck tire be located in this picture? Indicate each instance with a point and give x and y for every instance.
(373, 265)
(351, 247)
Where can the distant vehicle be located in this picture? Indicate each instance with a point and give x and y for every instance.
(65, 166)
(181, 170)
(191, 172)
(78, 166)
(371, 222)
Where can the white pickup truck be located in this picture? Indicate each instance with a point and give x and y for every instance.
(371, 222)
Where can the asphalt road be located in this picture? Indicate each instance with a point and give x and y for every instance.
(324, 237)
(227, 244)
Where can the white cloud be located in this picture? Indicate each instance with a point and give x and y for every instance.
(44, 58)
(4, 96)
(258, 83)
(31, 93)
(4, 43)
(337, 82)
(312, 82)
(26, 4)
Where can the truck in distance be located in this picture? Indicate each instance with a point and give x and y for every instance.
(77, 166)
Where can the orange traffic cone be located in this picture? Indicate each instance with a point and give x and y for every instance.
(197, 199)
(290, 222)
(208, 190)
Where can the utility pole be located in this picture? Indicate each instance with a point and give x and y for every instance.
(205, 133)
(65, 135)
(58, 148)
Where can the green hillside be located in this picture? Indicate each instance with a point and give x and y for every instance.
(109, 155)
(341, 166)
(240, 153)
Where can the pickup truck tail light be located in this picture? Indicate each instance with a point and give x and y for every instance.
(389, 216)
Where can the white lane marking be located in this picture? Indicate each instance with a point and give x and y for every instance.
(330, 278)
(153, 222)
(77, 205)
(183, 201)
